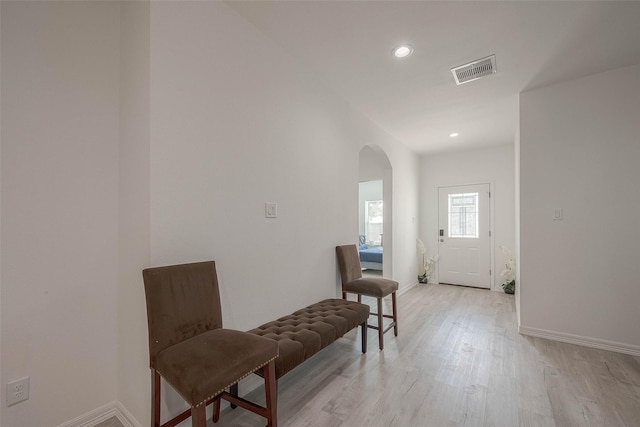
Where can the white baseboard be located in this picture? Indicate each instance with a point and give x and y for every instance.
(103, 413)
(633, 350)
(126, 418)
(406, 288)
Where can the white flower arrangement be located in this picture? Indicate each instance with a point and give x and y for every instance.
(509, 273)
(428, 265)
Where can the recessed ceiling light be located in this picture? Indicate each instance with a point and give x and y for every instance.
(453, 135)
(402, 51)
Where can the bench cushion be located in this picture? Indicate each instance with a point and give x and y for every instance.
(307, 331)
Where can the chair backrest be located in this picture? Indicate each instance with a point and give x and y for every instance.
(182, 302)
(349, 263)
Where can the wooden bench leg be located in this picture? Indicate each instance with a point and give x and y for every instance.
(234, 391)
(271, 391)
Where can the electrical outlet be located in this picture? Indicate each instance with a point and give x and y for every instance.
(17, 391)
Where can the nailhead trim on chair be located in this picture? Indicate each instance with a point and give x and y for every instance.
(229, 385)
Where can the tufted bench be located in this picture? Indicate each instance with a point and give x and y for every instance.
(307, 331)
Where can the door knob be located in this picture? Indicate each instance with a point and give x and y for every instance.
(442, 240)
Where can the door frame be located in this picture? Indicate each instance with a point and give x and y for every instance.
(492, 278)
(379, 168)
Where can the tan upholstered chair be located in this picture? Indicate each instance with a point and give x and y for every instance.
(377, 287)
(193, 353)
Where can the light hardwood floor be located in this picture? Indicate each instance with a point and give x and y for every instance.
(458, 361)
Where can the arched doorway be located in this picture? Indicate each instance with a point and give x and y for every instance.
(375, 206)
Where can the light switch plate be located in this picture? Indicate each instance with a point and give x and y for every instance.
(557, 214)
(270, 210)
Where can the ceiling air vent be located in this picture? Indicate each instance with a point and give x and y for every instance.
(474, 70)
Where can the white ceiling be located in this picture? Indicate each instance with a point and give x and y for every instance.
(348, 44)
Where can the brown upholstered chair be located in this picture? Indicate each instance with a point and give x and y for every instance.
(193, 353)
(377, 287)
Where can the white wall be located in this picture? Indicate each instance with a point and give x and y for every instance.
(237, 128)
(372, 164)
(579, 151)
(134, 135)
(134, 234)
(493, 165)
(1, 376)
(60, 84)
(405, 215)
(241, 126)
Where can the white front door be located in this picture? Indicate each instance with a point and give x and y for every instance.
(464, 240)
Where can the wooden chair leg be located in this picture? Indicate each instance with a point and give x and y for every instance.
(395, 314)
(271, 391)
(359, 298)
(155, 398)
(216, 409)
(364, 330)
(380, 325)
(199, 416)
